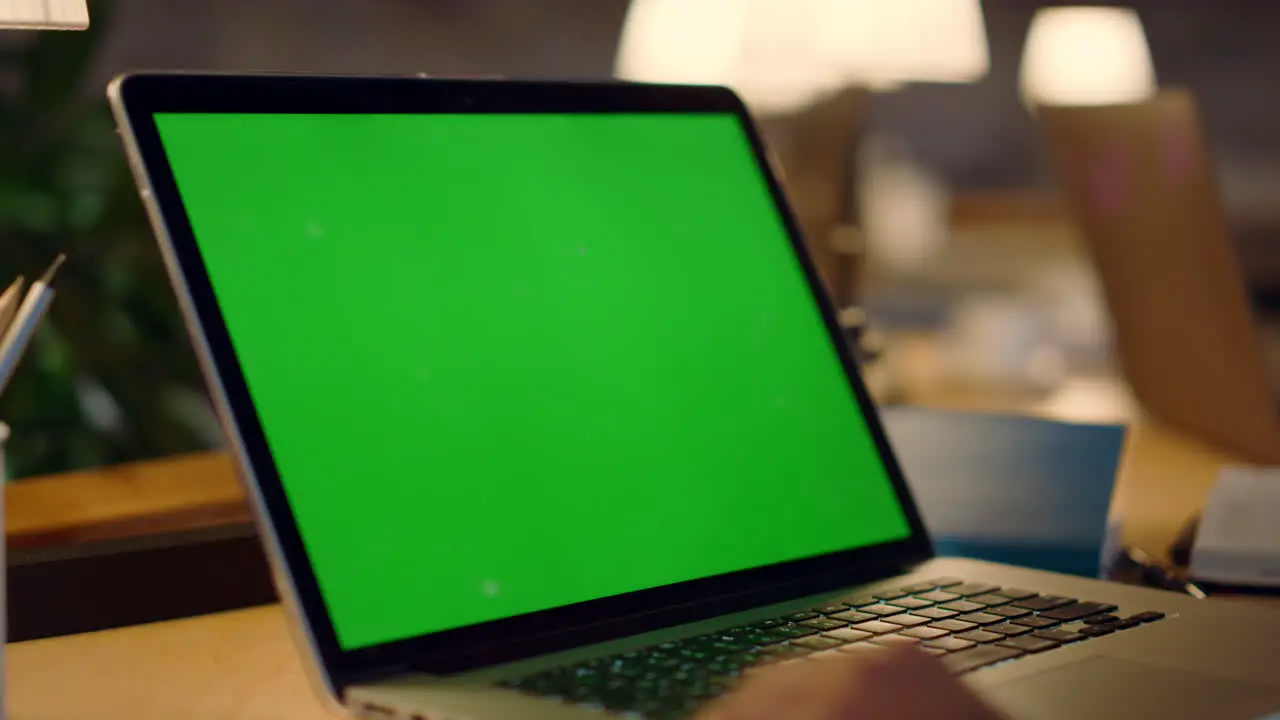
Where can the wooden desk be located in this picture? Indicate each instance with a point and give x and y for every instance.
(231, 666)
(243, 665)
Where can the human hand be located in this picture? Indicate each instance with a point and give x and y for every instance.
(900, 682)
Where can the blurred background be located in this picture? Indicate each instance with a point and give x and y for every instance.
(906, 130)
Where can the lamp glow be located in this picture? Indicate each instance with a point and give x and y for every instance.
(1086, 56)
(44, 14)
(782, 54)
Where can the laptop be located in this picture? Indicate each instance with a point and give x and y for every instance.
(544, 414)
(1141, 183)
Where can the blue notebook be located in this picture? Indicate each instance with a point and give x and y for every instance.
(1016, 490)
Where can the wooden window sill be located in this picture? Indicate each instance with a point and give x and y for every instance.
(180, 493)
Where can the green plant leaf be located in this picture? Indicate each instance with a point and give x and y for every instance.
(65, 187)
(28, 209)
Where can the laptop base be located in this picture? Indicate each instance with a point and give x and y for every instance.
(1199, 659)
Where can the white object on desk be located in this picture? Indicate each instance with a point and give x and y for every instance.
(1238, 539)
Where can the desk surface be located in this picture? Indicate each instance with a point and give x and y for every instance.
(243, 664)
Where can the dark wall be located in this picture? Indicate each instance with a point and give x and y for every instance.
(1223, 50)
(979, 135)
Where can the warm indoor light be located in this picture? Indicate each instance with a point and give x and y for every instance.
(782, 54)
(1086, 56)
(886, 43)
(44, 14)
(678, 41)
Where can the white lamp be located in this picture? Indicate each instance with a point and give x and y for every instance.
(44, 14)
(780, 55)
(1086, 56)
(884, 44)
(679, 41)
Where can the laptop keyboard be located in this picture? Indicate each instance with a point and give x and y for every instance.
(968, 625)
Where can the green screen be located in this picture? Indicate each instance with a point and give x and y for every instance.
(510, 362)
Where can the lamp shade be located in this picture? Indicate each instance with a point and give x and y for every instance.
(782, 54)
(1086, 56)
(679, 41)
(887, 43)
(44, 14)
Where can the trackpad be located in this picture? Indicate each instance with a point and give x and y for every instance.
(1103, 687)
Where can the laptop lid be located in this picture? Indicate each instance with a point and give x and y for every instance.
(1142, 187)
(512, 366)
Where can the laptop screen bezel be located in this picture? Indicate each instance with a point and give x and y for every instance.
(139, 97)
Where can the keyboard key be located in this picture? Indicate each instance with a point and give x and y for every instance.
(824, 624)
(666, 663)
(762, 637)
(732, 666)
(1124, 624)
(963, 606)
(767, 624)
(888, 594)
(1009, 611)
(853, 616)
(1076, 611)
(973, 588)
(1059, 636)
(988, 599)
(935, 613)
(831, 609)
(953, 625)
(817, 643)
(1035, 621)
(1103, 619)
(978, 657)
(798, 616)
(910, 603)
(1016, 593)
(880, 609)
(924, 633)
(933, 651)
(950, 644)
(859, 600)
(730, 644)
(945, 581)
(1044, 602)
(896, 639)
(877, 627)
(1148, 616)
(981, 636)
(907, 620)
(938, 596)
(792, 631)
(1008, 629)
(778, 651)
(1097, 630)
(918, 588)
(848, 635)
(981, 618)
(1028, 644)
